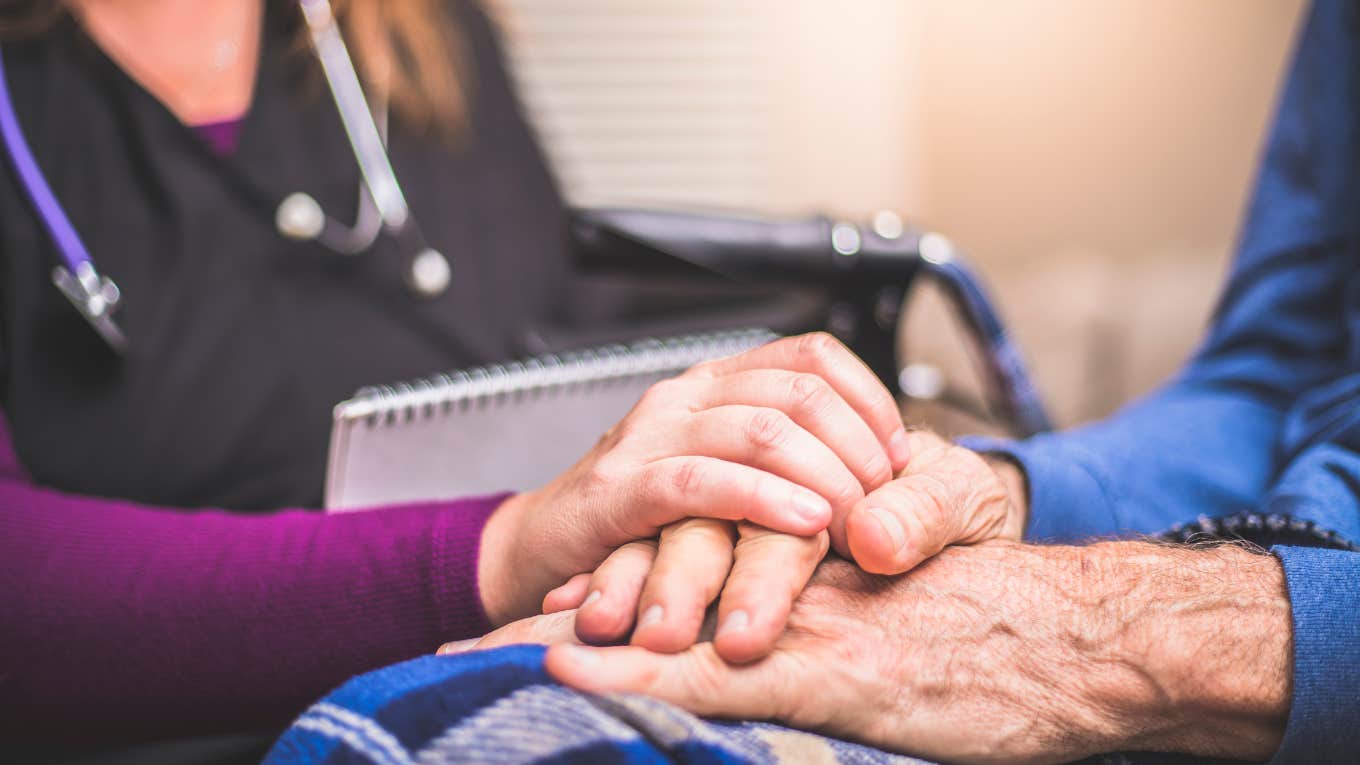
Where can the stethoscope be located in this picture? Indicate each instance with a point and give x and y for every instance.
(382, 205)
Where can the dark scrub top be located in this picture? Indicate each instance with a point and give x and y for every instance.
(242, 341)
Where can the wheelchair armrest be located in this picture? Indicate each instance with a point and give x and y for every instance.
(863, 274)
(811, 251)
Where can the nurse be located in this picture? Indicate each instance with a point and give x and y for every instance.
(267, 263)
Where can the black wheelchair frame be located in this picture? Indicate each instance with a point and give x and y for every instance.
(796, 276)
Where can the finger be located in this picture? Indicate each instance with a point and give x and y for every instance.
(676, 488)
(814, 405)
(570, 595)
(900, 525)
(823, 355)
(545, 629)
(607, 614)
(770, 440)
(769, 571)
(946, 495)
(692, 561)
(696, 679)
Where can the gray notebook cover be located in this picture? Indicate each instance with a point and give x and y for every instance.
(509, 427)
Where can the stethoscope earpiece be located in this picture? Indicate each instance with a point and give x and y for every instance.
(300, 217)
(430, 273)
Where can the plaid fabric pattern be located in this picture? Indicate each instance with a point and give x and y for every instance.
(501, 707)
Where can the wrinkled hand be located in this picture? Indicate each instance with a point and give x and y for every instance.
(947, 662)
(788, 436)
(998, 652)
(945, 495)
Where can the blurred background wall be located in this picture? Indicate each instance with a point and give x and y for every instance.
(1092, 158)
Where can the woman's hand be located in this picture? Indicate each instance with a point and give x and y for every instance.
(657, 595)
(789, 436)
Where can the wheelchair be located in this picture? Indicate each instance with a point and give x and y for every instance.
(656, 273)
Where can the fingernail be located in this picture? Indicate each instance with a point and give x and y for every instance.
(899, 448)
(578, 655)
(651, 616)
(735, 622)
(891, 526)
(457, 646)
(811, 507)
(592, 597)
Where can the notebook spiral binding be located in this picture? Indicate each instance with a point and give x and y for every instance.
(500, 384)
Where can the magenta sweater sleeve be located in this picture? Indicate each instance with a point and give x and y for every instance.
(138, 621)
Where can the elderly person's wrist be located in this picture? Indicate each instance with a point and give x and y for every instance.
(1190, 649)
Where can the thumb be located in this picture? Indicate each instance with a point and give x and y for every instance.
(696, 679)
(899, 525)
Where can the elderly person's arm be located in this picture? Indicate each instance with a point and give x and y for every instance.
(1001, 652)
(1267, 381)
(1216, 437)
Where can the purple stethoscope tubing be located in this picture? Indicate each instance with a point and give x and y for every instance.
(50, 212)
(299, 217)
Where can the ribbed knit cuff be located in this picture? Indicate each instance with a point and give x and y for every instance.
(1066, 501)
(457, 541)
(1324, 715)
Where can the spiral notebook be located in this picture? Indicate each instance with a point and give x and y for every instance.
(502, 427)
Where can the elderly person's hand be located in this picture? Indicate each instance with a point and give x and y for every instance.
(999, 652)
(944, 495)
(786, 436)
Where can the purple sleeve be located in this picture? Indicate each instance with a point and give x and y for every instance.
(141, 621)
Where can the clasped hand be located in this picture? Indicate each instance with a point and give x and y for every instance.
(988, 651)
(728, 484)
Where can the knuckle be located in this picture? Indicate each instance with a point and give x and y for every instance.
(638, 552)
(705, 676)
(698, 531)
(756, 491)
(603, 475)
(659, 394)
(701, 370)
(877, 468)
(687, 478)
(848, 492)
(767, 428)
(623, 432)
(818, 346)
(809, 393)
(932, 507)
(553, 628)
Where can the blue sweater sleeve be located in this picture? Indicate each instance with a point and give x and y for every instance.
(1324, 718)
(1212, 436)
(1266, 416)
(1324, 595)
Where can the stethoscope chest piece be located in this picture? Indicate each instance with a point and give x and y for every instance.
(96, 297)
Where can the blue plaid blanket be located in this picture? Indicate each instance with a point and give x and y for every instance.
(500, 706)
